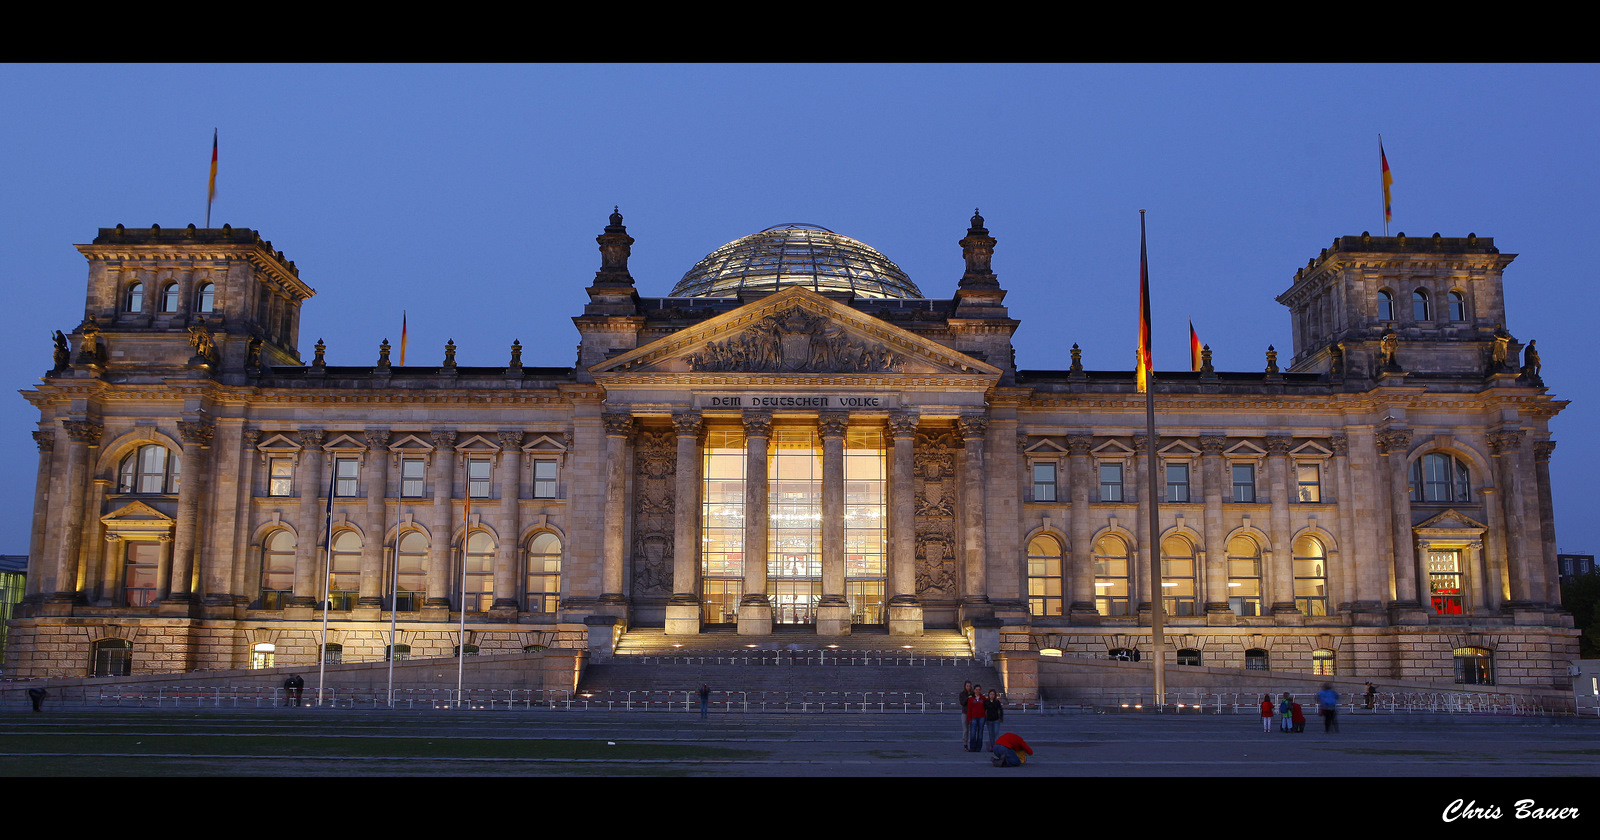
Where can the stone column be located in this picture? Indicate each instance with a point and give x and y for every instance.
(833, 611)
(1081, 481)
(370, 595)
(1341, 577)
(975, 595)
(1496, 577)
(443, 469)
(242, 592)
(1547, 520)
(110, 573)
(1282, 532)
(619, 430)
(1395, 445)
(1476, 601)
(196, 436)
(755, 611)
(506, 595)
(93, 533)
(1522, 563)
(83, 437)
(1213, 478)
(683, 608)
(41, 508)
(905, 611)
(308, 482)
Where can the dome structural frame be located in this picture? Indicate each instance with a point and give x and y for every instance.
(796, 254)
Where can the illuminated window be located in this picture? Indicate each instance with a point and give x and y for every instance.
(722, 525)
(411, 557)
(1111, 576)
(544, 573)
(1438, 477)
(169, 298)
(1044, 576)
(411, 477)
(1110, 482)
(280, 477)
(344, 584)
(1322, 662)
(794, 532)
(1310, 576)
(866, 517)
(151, 468)
(1177, 577)
(1474, 666)
(479, 595)
(346, 472)
(1244, 576)
(139, 578)
(277, 569)
(111, 658)
(478, 478)
(1308, 477)
(544, 479)
(1044, 481)
(261, 655)
(1444, 581)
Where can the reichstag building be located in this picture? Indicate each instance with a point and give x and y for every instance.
(794, 437)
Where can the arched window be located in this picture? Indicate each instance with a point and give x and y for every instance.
(1458, 307)
(1188, 656)
(1419, 306)
(479, 595)
(261, 655)
(1123, 654)
(1044, 576)
(1177, 576)
(1322, 662)
(1111, 576)
(344, 583)
(169, 298)
(1385, 305)
(205, 299)
(111, 658)
(1255, 659)
(332, 654)
(277, 569)
(1474, 666)
(411, 558)
(134, 301)
(1310, 576)
(1244, 576)
(471, 650)
(151, 468)
(1439, 477)
(401, 652)
(544, 573)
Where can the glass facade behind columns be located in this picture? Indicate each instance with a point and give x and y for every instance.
(866, 518)
(722, 526)
(794, 530)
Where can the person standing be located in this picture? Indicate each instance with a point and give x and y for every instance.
(705, 701)
(976, 713)
(994, 712)
(1285, 713)
(293, 688)
(1328, 700)
(37, 695)
(1266, 714)
(961, 704)
(1372, 694)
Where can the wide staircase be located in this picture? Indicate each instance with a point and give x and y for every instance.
(792, 669)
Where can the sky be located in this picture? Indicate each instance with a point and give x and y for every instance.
(470, 196)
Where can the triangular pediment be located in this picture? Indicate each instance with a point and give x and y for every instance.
(136, 517)
(793, 332)
(1451, 520)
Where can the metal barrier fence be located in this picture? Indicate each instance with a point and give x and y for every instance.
(1248, 703)
(819, 656)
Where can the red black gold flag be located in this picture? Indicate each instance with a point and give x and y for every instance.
(1388, 180)
(1194, 348)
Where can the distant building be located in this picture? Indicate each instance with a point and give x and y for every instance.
(1575, 566)
(13, 580)
(795, 435)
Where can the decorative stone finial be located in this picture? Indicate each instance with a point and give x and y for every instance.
(383, 356)
(450, 354)
(615, 246)
(1272, 359)
(978, 249)
(318, 362)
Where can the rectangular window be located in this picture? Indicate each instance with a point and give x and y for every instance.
(281, 477)
(411, 474)
(345, 471)
(1177, 482)
(1244, 482)
(1044, 481)
(478, 478)
(544, 479)
(1110, 482)
(1309, 477)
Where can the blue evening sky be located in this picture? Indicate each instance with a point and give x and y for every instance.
(470, 195)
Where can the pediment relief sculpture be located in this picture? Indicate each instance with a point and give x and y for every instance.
(795, 341)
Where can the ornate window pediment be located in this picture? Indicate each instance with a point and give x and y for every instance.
(137, 520)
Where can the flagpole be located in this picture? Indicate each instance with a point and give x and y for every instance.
(461, 637)
(1157, 642)
(327, 576)
(394, 595)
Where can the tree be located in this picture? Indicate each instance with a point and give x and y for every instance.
(1581, 597)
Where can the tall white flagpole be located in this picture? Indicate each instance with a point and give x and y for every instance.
(327, 577)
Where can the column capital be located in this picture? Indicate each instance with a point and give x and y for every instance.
(902, 425)
(617, 424)
(758, 423)
(196, 431)
(1213, 444)
(1501, 443)
(1340, 444)
(378, 439)
(1394, 441)
(250, 436)
(510, 439)
(1080, 444)
(444, 439)
(311, 438)
(972, 428)
(1279, 445)
(84, 431)
(1542, 450)
(688, 424)
(833, 424)
(45, 440)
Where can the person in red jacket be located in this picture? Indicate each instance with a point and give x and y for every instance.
(1297, 718)
(1010, 751)
(1266, 713)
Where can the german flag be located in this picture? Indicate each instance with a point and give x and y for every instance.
(1388, 180)
(1145, 371)
(402, 338)
(1194, 348)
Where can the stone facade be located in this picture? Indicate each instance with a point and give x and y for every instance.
(1380, 508)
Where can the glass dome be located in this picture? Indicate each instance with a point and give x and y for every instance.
(796, 255)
